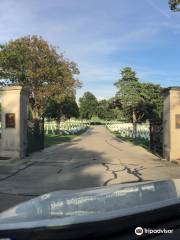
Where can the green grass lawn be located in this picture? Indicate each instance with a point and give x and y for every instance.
(136, 141)
(51, 139)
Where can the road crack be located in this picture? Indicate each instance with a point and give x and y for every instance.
(16, 172)
(113, 172)
(135, 171)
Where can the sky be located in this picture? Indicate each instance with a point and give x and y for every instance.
(102, 37)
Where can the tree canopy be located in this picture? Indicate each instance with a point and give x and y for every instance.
(128, 92)
(90, 107)
(88, 104)
(32, 62)
(67, 109)
(139, 101)
(105, 111)
(174, 5)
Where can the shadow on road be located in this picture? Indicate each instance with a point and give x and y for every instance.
(91, 160)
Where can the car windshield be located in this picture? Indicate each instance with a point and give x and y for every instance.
(89, 113)
(79, 206)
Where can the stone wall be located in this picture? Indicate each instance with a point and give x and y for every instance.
(14, 111)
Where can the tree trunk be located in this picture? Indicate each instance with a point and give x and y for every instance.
(58, 123)
(35, 114)
(134, 123)
(58, 120)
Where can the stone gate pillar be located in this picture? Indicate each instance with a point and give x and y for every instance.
(171, 123)
(13, 142)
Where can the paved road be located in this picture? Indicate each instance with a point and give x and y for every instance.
(96, 158)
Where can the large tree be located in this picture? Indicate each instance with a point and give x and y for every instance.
(116, 106)
(151, 105)
(67, 109)
(129, 92)
(139, 101)
(31, 62)
(88, 105)
(104, 110)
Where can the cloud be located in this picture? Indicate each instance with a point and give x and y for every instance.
(159, 9)
(100, 36)
(100, 73)
(164, 77)
(100, 93)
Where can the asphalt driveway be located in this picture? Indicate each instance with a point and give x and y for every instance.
(96, 158)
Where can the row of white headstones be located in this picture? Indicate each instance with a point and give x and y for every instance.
(66, 127)
(76, 126)
(126, 130)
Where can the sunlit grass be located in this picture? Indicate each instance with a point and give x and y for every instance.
(51, 139)
(136, 141)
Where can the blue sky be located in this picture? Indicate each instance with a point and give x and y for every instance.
(102, 36)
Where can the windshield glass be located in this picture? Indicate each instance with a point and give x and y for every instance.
(93, 204)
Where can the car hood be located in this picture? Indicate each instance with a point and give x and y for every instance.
(62, 208)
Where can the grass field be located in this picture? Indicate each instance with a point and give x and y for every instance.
(136, 141)
(52, 139)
